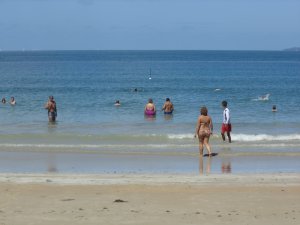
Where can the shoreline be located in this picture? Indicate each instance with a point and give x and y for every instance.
(289, 179)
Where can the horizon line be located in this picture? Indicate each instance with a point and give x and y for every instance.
(48, 50)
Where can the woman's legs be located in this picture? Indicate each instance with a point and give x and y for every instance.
(207, 145)
(201, 146)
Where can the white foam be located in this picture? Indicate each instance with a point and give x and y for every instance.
(245, 137)
(264, 137)
(262, 98)
(180, 136)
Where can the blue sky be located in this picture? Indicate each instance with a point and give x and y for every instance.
(149, 24)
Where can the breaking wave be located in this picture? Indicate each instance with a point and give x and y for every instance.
(265, 137)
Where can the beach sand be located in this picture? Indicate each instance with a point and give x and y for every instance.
(149, 199)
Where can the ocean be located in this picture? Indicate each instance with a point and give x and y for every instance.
(86, 84)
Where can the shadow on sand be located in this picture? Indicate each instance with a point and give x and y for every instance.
(212, 154)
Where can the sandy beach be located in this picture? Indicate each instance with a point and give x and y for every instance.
(149, 199)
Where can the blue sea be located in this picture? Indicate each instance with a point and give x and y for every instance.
(85, 85)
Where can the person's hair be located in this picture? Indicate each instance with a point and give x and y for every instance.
(150, 100)
(204, 111)
(224, 104)
(167, 99)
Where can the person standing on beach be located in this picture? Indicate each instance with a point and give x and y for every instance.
(52, 111)
(226, 125)
(168, 107)
(204, 129)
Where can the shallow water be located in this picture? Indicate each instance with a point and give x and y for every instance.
(86, 84)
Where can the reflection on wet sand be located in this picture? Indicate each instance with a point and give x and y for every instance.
(52, 163)
(226, 167)
(205, 163)
(201, 165)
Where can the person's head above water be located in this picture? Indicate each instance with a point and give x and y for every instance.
(167, 99)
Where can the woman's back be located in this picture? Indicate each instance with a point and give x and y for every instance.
(205, 122)
(150, 106)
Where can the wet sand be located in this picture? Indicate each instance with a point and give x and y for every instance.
(149, 199)
(143, 163)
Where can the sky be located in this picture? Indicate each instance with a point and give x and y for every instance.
(149, 24)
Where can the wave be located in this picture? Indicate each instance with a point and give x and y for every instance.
(134, 139)
(91, 146)
(245, 137)
(265, 137)
(180, 136)
(262, 98)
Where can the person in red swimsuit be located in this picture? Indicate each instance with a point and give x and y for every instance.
(226, 125)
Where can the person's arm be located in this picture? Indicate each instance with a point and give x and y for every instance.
(154, 108)
(197, 127)
(55, 109)
(164, 107)
(211, 126)
(47, 105)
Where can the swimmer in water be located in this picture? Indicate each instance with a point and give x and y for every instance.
(52, 111)
(12, 101)
(168, 107)
(150, 109)
(274, 108)
(117, 103)
(3, 100)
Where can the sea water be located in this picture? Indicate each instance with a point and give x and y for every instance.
(86, 84)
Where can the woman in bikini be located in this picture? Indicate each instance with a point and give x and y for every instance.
(204, 129)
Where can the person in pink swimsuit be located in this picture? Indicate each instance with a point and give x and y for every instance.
(150, 109)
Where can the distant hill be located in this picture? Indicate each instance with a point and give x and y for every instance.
(294, 49)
